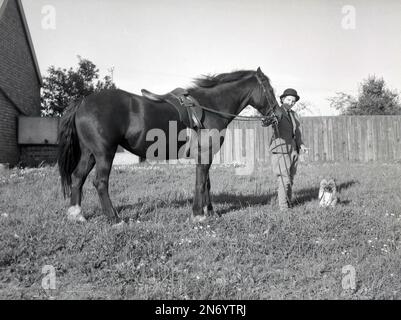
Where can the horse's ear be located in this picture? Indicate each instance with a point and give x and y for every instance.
(259, 71)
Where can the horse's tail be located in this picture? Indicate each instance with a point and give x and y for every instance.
(69, 151)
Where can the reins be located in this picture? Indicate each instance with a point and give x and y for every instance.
(240, 118)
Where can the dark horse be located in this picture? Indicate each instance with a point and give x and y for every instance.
(93, 128)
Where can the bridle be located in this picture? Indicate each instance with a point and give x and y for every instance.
(269, 102)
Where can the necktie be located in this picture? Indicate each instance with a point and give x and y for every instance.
(292, 122)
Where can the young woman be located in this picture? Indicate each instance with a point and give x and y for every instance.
(285, 146)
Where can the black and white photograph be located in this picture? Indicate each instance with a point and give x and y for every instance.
(214, 151)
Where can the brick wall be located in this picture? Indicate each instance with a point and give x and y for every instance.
(9, 150)
(19, 83)
(18, 76)
(34, 155)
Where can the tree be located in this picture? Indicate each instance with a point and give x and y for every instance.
(62, 86)
(303, 108)
(343, 102)
(374, 98)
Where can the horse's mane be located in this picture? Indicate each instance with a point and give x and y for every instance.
(210, 81)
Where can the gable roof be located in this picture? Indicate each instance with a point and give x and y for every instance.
(3, 6)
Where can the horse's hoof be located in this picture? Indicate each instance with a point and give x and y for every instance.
(76, 218)
(198, 219)
(119, 226)
(75, 214)
(208, 212)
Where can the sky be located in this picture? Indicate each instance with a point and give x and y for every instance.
(318, 47)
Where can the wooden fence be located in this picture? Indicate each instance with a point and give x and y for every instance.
(337, 138)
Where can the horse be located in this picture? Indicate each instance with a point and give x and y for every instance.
(93, 127)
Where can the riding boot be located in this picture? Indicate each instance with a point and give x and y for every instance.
(283, 188)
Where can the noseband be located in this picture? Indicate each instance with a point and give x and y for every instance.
(269, 102)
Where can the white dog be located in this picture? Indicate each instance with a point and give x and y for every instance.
(328, 193)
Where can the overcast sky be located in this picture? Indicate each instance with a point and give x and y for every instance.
(313, 46)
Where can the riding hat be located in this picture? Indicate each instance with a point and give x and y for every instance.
(290, 92)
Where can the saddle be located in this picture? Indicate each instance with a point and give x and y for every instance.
(189, 110)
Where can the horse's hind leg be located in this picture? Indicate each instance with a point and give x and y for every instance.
(208, 200)
(85, 165)
(101, 183)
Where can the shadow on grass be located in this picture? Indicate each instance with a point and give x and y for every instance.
(234, 201)
(309, 194)
(239, 201)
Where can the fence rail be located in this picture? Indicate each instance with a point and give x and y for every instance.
(337, 138)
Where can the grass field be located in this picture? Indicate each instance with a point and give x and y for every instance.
(252, 251)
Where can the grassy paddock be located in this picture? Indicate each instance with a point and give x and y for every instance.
(251, 252)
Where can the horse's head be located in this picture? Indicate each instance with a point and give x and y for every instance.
(262, 96)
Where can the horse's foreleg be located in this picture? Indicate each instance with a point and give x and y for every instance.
(101, 183)
(208, 200)
(85, 165)
(201, 196)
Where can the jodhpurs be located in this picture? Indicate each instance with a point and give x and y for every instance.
(284, 168)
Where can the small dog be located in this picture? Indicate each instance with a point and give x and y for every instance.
(328, 193)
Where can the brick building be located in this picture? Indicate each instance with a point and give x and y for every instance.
(20, 78)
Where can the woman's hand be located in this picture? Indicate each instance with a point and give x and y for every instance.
(271, 120)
